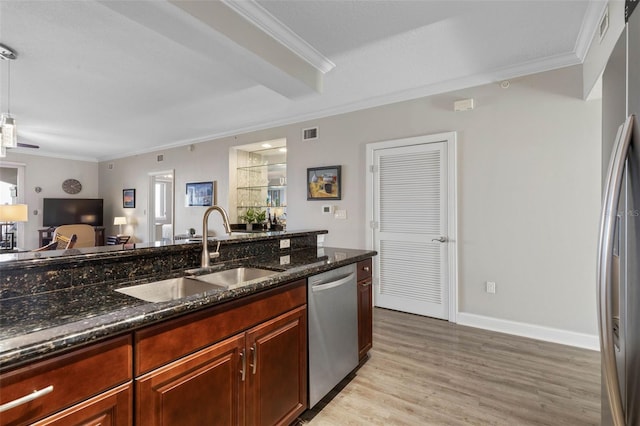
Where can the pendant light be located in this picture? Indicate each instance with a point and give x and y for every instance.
(9, 136)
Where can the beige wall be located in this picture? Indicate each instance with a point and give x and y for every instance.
(529, 166)
(529, 191)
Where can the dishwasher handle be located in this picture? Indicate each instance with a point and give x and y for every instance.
(331, 284)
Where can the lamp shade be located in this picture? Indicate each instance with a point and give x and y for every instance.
(14, 213)
(119, 220)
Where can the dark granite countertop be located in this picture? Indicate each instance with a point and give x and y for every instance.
(39, 325)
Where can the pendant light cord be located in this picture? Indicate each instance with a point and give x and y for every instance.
(9, 88)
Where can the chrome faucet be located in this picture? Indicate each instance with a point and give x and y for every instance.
(205, 260)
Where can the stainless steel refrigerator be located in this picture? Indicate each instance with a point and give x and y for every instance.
(619, 246)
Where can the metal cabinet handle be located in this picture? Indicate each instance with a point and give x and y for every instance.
(243, 371)
(27, 398)
(441, 239)
(254, 364)
(366, 269)
(366, 284)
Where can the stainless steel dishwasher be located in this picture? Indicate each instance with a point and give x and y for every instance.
(333, 329)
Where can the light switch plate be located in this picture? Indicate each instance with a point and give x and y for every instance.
(341, 214)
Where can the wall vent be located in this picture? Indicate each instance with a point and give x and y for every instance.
(310, 134)
(160, 158)
(604, 23)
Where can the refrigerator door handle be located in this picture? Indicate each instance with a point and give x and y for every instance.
(605, 264)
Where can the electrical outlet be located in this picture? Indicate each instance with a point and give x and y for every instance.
(285, 243)
(285, 260)
(491, 287)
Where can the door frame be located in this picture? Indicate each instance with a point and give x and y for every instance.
(450, 138)
(151, 199)
(21, 196)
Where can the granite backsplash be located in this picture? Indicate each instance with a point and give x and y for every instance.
(42, 275)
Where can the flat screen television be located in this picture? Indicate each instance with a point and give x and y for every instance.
(67, 211)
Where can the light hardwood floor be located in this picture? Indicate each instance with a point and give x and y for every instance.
(424, 371)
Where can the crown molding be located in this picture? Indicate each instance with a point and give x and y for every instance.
(589, 27)
(262, 19)
(527, 68)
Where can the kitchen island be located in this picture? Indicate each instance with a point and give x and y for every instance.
(42, 327)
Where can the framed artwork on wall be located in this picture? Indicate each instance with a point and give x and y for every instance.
(129, 198)
(324, 183)
(199, 194)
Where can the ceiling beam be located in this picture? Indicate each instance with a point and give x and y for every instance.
(215, 30)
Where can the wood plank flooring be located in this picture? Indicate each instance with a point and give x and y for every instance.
(424, 371)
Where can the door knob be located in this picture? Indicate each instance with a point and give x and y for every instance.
(441, 239)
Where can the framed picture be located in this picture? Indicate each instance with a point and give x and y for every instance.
(324, 183)
(199, 194)
(128, 198)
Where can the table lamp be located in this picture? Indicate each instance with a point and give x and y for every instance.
(12, 213)
(120, 220)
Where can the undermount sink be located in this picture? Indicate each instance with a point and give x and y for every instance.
(177, 288)
(172, 289)
(233, 277)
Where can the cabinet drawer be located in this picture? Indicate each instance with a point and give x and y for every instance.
(110, 408)
(71, 378)
(170, 340)
(364, 269)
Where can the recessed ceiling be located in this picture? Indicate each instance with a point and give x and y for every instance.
(104, 79)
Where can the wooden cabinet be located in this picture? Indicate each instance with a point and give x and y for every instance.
(277, 370)
(252, 369)
(365, 307)
(80, 379)
(196, 389)
(111, 408)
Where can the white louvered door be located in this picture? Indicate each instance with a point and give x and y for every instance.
(410, 207)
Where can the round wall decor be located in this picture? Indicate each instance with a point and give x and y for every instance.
(71, 186)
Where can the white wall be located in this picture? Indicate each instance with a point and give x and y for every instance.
(49, 173)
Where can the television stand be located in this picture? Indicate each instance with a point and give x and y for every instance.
(45, 235)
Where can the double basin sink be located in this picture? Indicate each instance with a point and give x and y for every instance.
(177, 288)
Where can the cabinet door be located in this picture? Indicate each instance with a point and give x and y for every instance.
(111, 408)
(204, 388)
(365, 317)
(277, 364)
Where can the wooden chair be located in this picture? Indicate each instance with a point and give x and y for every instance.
(53, 245)
(64, 242)
(86, 234)
(60, 242)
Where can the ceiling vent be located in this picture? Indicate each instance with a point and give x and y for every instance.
(160, 158)
(310, 134)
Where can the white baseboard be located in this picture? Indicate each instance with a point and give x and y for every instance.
(548, 334)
